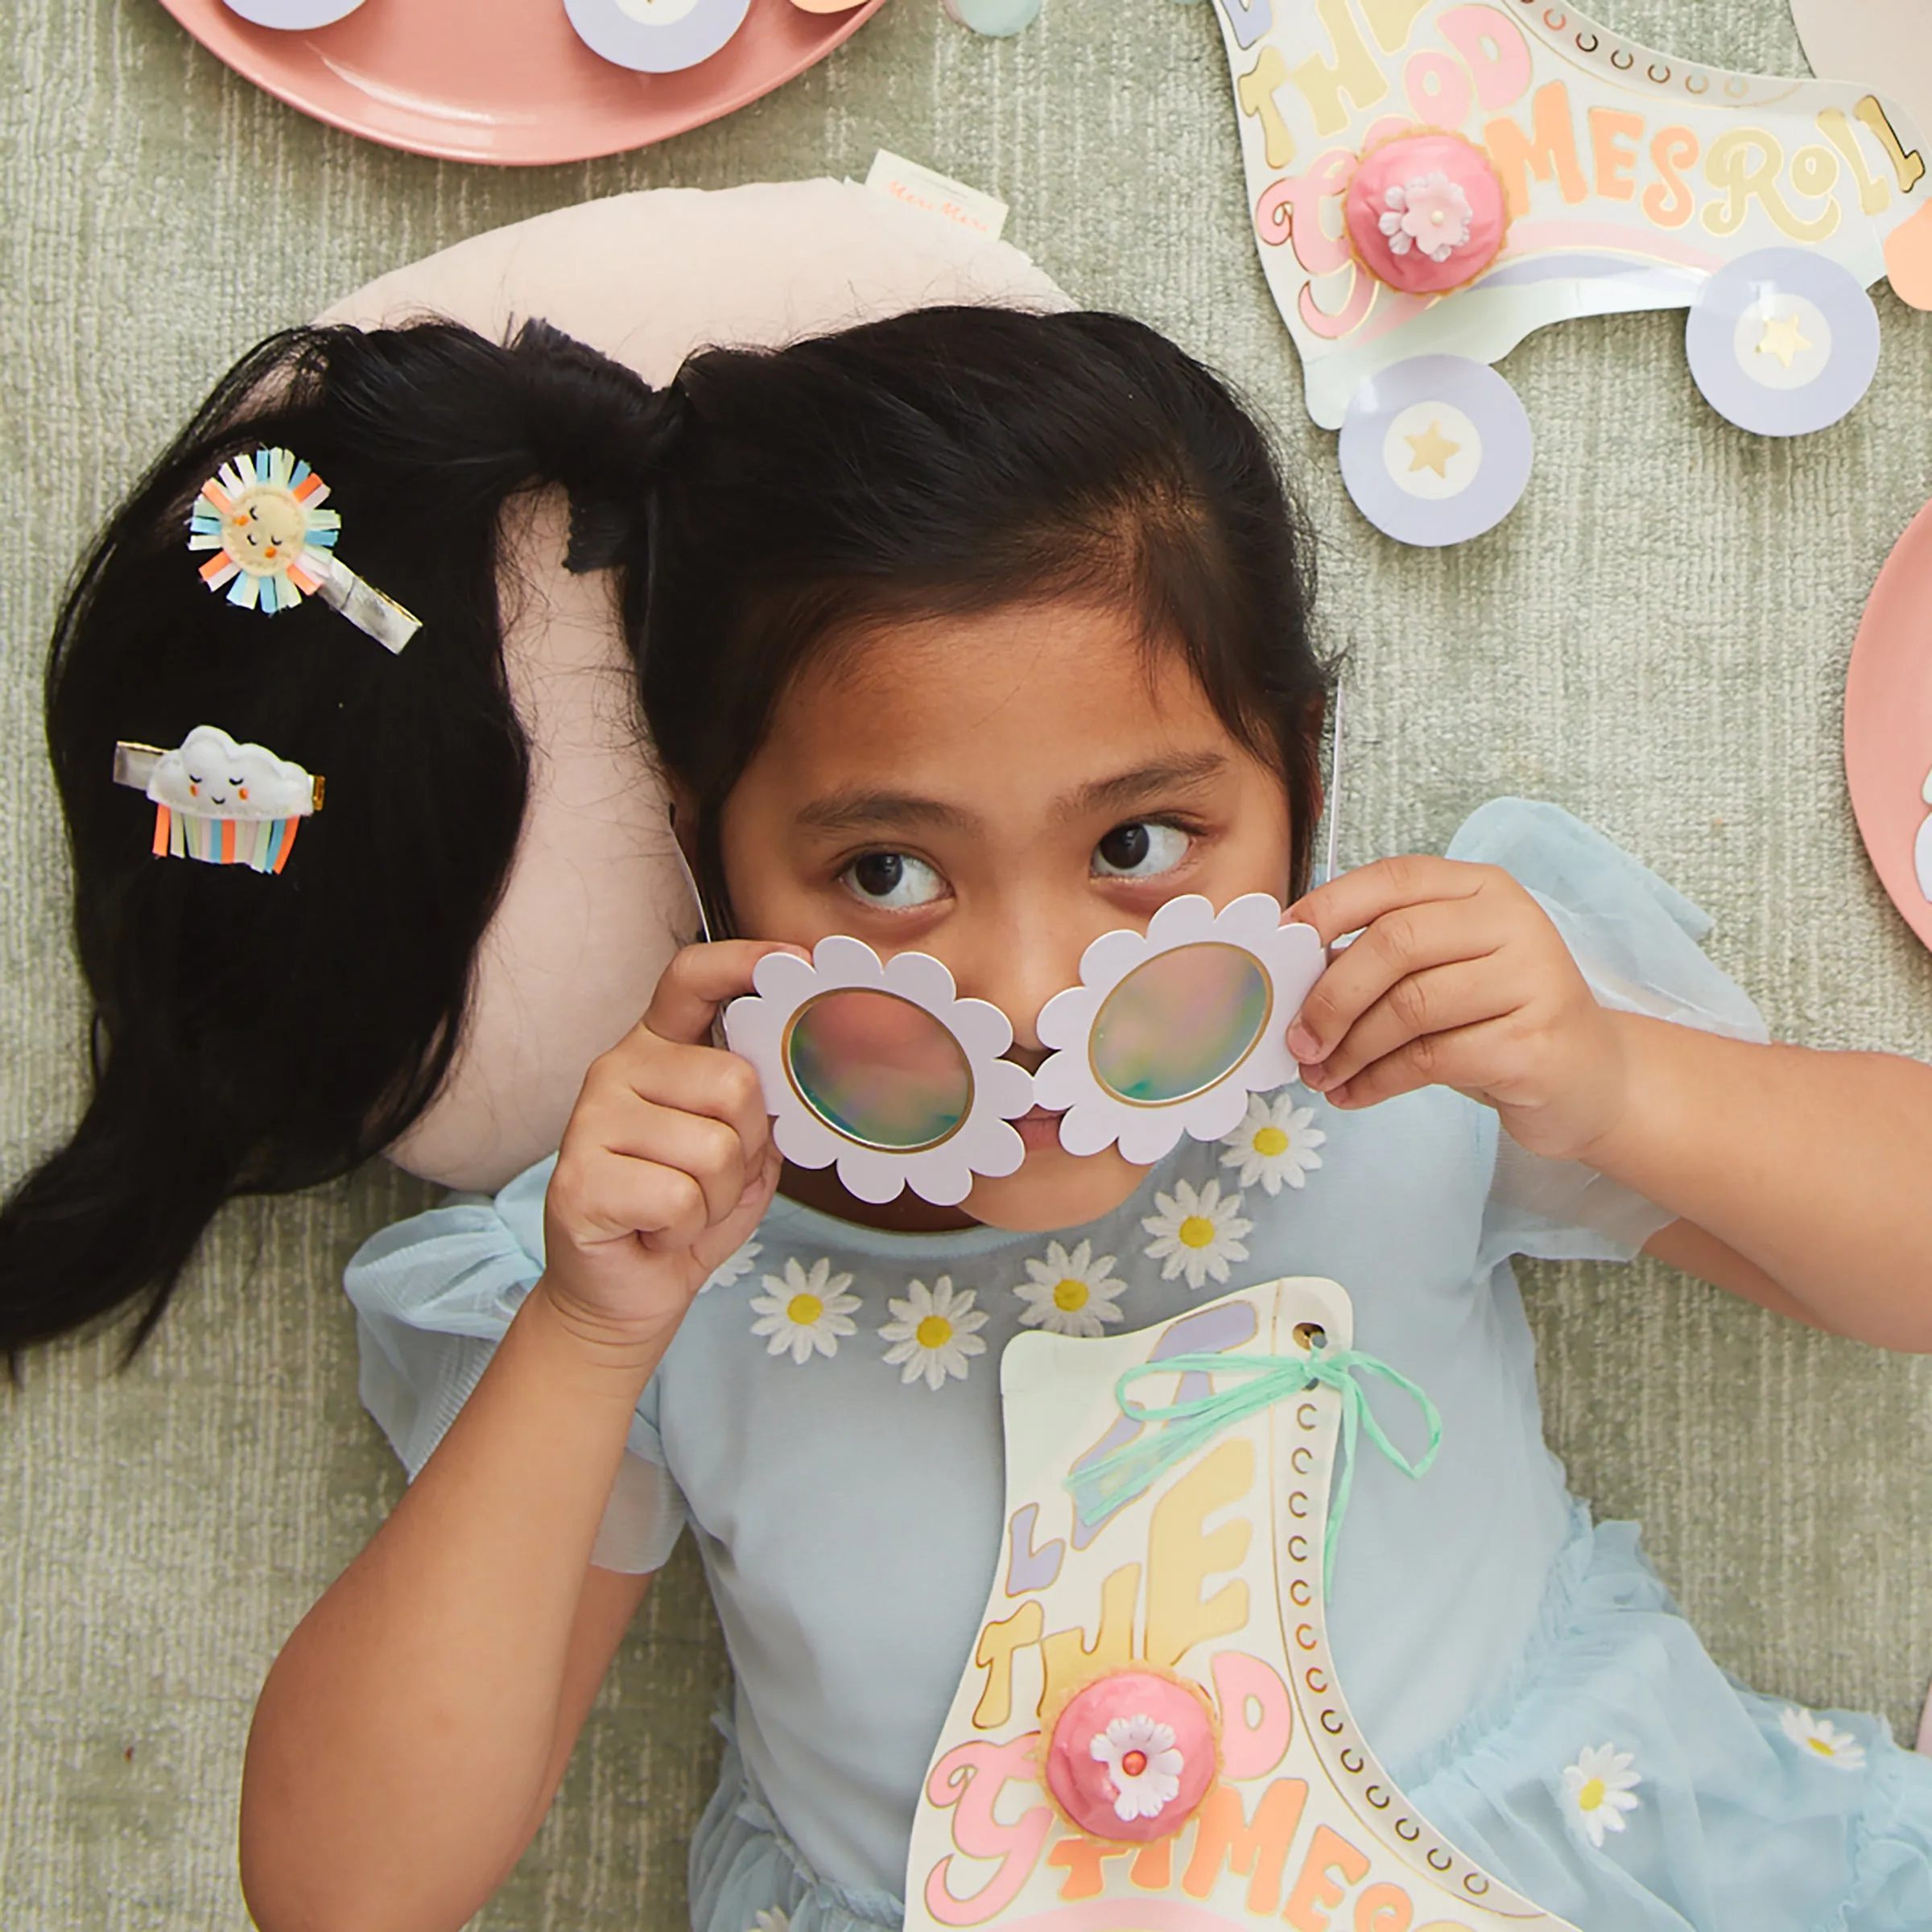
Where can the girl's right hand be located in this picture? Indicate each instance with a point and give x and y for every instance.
(667, 1163)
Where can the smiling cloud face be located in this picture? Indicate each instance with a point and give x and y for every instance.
(211, 776)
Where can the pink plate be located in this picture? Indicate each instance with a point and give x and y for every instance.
(1888, 719)
(509, 82)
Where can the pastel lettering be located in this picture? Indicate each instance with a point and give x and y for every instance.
(1612, 162)
(1497, 53)
(1182, 1554)
(1331, 1867)
(969, 1779)
(1549, 153)
(1668, 201)
(1257, 1850)
(1354, 74)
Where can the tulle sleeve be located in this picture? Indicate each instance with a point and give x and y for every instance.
(433, 1296)
(1638, 942)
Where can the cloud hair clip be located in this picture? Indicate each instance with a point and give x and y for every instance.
(273, 544)
(226, 803)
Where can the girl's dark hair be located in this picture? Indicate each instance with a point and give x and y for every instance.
(257, 1034)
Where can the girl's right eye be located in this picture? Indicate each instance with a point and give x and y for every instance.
(894, 880)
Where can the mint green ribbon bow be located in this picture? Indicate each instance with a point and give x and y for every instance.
(1104, 1486)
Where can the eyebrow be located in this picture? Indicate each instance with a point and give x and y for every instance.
(854, 809)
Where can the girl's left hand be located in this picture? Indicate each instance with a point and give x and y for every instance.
(1459, 980)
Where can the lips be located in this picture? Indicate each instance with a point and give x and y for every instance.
(1038, 1128)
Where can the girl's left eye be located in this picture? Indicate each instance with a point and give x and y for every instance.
(894, 880)
(1141, 850)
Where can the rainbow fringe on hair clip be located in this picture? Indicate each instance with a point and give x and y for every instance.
(223, 802)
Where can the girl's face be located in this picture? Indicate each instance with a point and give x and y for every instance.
(998, 791)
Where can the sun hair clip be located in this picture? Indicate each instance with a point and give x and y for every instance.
(222, 801)
(273, 545)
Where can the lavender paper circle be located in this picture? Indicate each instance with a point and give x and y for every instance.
(1710, 342)
(1501, 477)
(293, 15)
(606, 29)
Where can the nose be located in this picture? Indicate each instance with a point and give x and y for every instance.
(1019, 965)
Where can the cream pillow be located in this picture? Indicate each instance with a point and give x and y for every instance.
(595, 903)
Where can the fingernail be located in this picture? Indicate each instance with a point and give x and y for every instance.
(1315, 1075)
(1337, 1096)
(1303, 1044)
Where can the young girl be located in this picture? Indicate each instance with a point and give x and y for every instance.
(983, 634)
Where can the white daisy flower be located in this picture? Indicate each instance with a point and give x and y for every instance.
(805, 1312)
(1142, 1764)
(933, 1331)
(1276, 1142)
(1601, 1786)
(1196, 1234)
(1821, 1737)
(734, 1267)
(1070, 1293)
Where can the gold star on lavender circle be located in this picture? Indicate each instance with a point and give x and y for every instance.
(1781, 338)
(1432, 450)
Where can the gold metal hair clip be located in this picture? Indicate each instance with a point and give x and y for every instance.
(222, 801)
(274, 544)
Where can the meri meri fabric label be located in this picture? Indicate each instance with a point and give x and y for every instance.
(1631, 177)
(937, 195)
(1210, 1580)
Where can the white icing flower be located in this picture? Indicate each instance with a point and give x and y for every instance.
(1070, 1293)
(1430, 212)
(1169, 1033)
(899, 1081)
(1196, 1234)
(1823, 1739)
(1143, 1764)
(734, 1267)
(933, 1331)
(1276, 1143)
(1600, 1786)
(805, 1312)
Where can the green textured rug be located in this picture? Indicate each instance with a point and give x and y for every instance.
(1656, 638)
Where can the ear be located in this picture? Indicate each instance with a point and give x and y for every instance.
(682, 808)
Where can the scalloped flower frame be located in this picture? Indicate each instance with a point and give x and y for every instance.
(760, 1026)
(1096, 1116)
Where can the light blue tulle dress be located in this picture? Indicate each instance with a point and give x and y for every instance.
(1523, 1674)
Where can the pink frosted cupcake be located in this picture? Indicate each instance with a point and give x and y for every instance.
(1426, 213)
(1131, 1755)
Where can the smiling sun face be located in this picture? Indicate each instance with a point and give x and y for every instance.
(262, 516)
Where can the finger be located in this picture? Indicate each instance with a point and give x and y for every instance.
(609, 1197)
(1441, 999)
(1410, 939)
(703, 1080)
(700, 980)
(1456, 1058)
(712, 1153)
(1355, 899)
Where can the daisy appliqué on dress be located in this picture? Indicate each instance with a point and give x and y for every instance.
(734, 1267)
(1196, 1233)
(1601, 1788)
(1822, 1739)
(807, 1313)
(1275, 1144)
(933, 1331)
(1070, 1293)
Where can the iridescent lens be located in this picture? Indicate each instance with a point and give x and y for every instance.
(1174, 1026)
(878, 1069)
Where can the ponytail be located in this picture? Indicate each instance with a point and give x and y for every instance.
(256, 1033)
